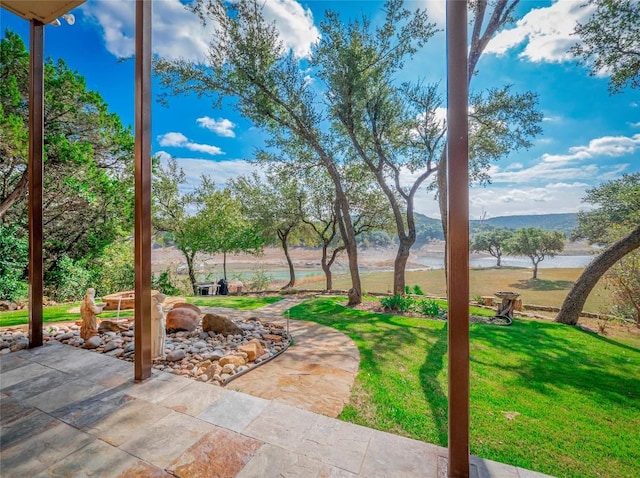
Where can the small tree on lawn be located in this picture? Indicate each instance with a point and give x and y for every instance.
(491, 241)
(273, 203)
(226, 229)
(536, 244)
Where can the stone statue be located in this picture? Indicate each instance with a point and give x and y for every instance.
(158, 332)
(88, 311)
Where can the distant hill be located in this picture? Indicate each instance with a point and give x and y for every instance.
(429, 228)
(549, 222)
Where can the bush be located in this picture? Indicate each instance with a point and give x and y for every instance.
(68, 281)
(417, 290)
(14, 257)
(430, 308)
(259, 281)
(115, 271)
(400, 303)
(164, 283)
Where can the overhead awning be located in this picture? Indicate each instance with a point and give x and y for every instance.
(44, 11)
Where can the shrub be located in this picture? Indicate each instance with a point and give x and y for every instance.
(429, 308)
(417, 290)
(14, 257)
(115, 271)
(397, 302)
(259, 281)
(68, 281)
(164, 283)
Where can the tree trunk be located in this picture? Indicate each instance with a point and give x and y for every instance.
(224, 265)
(442, 202)
(326, 268)
(499, 257)
(535, 270)
(400, 265)
(192, 274)
(349, 240)
(285, 247)
(345, 225)
(577, 296)
(18, 191)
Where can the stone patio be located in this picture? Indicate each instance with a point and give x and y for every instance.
(66, 411)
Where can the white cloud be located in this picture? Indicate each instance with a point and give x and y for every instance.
(221, 126)
(219, 171)
(178, 33)
(172, 139)
(635, 125)
(294, 23)
(611, 146)
(507, 201)
(514, 166)
(547, 32)
(181, 141)
(437, 10)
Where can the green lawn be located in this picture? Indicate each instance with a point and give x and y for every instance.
(544, 396)
(61, 312)
(234, 302)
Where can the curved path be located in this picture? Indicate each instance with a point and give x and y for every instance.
(316, 372)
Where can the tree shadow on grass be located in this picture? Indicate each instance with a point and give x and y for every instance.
(542, 284)
(433, 392)
(546, 356)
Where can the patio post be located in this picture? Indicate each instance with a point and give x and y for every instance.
(142, 151)
(458, 237)
(35, 177)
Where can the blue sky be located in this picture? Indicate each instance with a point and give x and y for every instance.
(589, 135)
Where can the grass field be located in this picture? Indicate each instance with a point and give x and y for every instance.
(550, 288)
(63, 312)
(544, 396)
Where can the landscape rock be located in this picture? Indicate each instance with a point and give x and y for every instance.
(272, 337)
(186, 305)
(253, 349)
(112, 326)
(236, 360)
(182, 319)
(220, 324)
(176, 355)
(93, 342)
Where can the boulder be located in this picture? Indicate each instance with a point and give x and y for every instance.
(220, 324)
(236, 360)
(182, 319)
(169, 302)
(186, 305)
(253, 349)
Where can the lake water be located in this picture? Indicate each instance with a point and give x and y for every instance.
(433, 262)
(562, 262)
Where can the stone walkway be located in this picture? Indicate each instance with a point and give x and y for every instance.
(316, 373)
